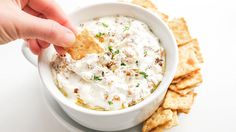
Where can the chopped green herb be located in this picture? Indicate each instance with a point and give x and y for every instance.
(152, 90)
(117, 52)
(126, 28)
(110, 102)
(145, 53)
(96, 78)
(155, 86)
(113, 53)
(98, 35)
(110, 48)
(104, 24)
(144, 74)
(123, 64)
(137, 85)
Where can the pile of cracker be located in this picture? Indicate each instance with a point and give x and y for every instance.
(180, 95)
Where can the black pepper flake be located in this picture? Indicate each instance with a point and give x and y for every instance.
(158, 60)
(136, 62)
(76, 90)
(81, 25)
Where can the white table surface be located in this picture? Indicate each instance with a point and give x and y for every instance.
(213, 22)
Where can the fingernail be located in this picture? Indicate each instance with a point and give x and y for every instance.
(69, 39)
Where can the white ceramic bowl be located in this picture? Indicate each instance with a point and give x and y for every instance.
(120, 119)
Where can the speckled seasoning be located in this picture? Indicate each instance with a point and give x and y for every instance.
(129, 70)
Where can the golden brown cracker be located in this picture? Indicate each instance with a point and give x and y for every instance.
(174, 121)
(183, 91)
(188, 61)
(176, 80)
(175, 101)
(185, 111)
(145, 3)
(84, 44)
(163, 16)
(160, 117)
(158, 129)
(191, 80)
(197, 50)
(148, 4)
(180, 30)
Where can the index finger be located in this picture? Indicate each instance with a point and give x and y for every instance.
(51, 10)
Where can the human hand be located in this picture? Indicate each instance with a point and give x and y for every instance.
(39, 22)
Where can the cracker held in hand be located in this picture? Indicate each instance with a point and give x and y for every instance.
(84, 44)
(180, 30)
(177, 102)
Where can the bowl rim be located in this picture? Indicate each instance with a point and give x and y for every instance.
(62, 100)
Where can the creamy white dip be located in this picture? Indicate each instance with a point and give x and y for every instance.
(130, 69)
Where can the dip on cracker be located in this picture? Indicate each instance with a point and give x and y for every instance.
(115, 63)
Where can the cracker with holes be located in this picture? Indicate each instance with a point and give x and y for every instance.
(180, 30)
(193, 79)
(160, 117)
(188, 61)
(148, 4)
(178, 102)
(184, 91)
(145, 3)
(84, 44)
(194, 43)
(172, 123)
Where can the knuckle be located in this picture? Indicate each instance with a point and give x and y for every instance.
(52, 31)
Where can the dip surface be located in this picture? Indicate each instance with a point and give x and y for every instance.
(129, 70)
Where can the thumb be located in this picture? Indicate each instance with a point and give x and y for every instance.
(31, 27)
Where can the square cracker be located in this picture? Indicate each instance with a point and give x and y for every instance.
(186, 111)
(180, 30)
(178, 102)
(173, 122)
(163, 16)
(151, 6)
(158, 129)
(191, 80)
(188, 61)
(84, 44)
(185, 91)
(160, 117)
(194, 43)
(146, 4)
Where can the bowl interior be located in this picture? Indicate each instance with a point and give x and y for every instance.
(158, 27)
